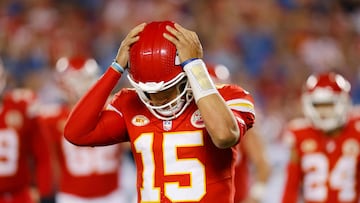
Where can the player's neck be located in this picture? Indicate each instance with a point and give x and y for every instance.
(335, 132)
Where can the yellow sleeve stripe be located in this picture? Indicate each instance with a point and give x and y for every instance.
(241, 105)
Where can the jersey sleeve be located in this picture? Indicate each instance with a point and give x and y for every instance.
(89, 123)
(241, 104)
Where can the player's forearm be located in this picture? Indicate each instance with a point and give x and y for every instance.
(262, 173)
(219, 121)
(84, 116)
(255, 150)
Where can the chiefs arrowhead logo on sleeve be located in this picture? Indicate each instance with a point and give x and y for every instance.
(14, 119)
(196, 120)
(140, 120)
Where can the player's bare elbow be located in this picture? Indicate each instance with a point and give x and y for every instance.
(225, 138)
(71, 136)
(75, 141)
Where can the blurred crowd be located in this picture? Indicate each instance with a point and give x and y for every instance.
(269, 46)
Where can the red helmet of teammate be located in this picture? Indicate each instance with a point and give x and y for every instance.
(219, 73)
(154, 67)
(75, 75)
(326, 100)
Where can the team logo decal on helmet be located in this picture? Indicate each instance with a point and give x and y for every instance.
(154, 66)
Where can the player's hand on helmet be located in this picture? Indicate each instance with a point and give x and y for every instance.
(122, 56)
(186, 41)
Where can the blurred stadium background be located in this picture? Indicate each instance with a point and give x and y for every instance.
(269, 46)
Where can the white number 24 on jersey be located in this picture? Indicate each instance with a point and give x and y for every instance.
(341, 177)
(172, 166)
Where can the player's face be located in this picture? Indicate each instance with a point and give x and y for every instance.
(325, 110)
(163, 97)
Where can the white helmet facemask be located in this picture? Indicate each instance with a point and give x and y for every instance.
(326, 109)
(171, 109)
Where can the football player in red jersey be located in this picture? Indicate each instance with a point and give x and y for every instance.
(25, 160)
(324, 164)
(182, 129)
(250, 184)
(86, 174)
(252, 171)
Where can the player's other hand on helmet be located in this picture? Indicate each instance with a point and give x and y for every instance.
(122, 56)
(186, 41)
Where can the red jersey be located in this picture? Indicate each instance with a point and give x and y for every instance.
(176, 160)
(326, 169)
(242, 176)
(23, 150)
(87, 172)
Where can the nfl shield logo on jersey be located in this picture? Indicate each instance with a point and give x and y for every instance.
(167, 125)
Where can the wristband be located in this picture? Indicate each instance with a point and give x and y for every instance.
(117, 67)
(199, 79)
(187, 61)
(257, 190)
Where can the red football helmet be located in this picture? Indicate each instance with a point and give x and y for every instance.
(219, 73)
(75, 75)
(154, 67)
(326, 100)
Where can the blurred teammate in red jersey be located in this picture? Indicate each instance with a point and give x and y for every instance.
(324, 164)
(252, 170)
(86, 174)
(25, 164)
(182, 129)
